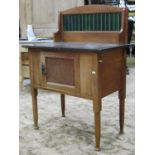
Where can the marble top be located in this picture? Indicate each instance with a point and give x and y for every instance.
(75, 46)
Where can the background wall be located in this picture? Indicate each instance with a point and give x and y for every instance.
(43, 15)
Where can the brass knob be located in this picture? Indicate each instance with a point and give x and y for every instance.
(93, 72)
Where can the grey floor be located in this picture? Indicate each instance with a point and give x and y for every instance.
(74, 134)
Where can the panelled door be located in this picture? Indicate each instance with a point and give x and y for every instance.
(60, 71)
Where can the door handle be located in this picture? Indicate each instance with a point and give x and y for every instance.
(43, 69)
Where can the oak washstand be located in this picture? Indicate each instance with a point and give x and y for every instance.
(87, 59)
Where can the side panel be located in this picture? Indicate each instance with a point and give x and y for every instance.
(110, 66)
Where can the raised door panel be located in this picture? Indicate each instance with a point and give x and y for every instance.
(60, 71)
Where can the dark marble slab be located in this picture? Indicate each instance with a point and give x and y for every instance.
(76, 46)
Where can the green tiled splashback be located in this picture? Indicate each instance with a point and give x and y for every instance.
(92, 22)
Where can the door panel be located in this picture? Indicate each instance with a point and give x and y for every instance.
(57, 72)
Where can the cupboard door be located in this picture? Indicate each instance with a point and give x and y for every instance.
(60, 71)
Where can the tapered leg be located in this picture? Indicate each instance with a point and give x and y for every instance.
(63, 105)
(121, 113)
(97, 130)
(97, 121)
(34, 93)
(122, 94)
